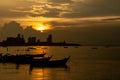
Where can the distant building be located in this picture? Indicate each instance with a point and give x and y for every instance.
(49, 39)
(32, 40)
(19, 40)
(38, 41)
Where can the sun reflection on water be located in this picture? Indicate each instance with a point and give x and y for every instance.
(42, 49)
(40, 74)
(49, 74)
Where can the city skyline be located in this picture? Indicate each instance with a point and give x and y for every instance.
(19, 40)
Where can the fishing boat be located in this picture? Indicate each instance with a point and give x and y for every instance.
(50, 63)
(19, 58)
(61, 62)
(30, 48)
(31, 55)
(7, 58)
(32, 60)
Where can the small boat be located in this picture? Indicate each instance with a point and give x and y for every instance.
(19, 58)
(31, 48)
(57, 63)
(32, 60)
(7, 58)
(50, 63)
(31, 55)
(94, 48)
(37, 60)
(28, 58)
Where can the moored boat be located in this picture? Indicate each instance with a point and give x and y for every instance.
(32, 60)
(19, 58)
(50, 63)
(31, 55)
(56, 63)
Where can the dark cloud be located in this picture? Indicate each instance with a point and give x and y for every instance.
(62, 24)
(12, 14)
(50, 12)
(84, 22)
(94, 8)
(10, 29)
(112, 19)
(19, 8)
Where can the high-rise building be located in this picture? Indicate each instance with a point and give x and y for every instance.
(49, 39)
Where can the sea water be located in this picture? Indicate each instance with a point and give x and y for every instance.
(86, 63)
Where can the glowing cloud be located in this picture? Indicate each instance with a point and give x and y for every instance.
(41, 26)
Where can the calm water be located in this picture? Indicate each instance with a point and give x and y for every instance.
(86, 63)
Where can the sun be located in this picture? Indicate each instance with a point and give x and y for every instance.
(41, 27)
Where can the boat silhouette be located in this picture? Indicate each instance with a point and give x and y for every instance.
(50, 63)
(34, 60)
(19, 58)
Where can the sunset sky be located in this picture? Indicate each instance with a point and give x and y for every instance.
(83, 21)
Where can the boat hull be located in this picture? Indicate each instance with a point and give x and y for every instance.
(51, 63)
(19, 59)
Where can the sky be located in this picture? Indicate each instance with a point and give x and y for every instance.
(83, 21)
